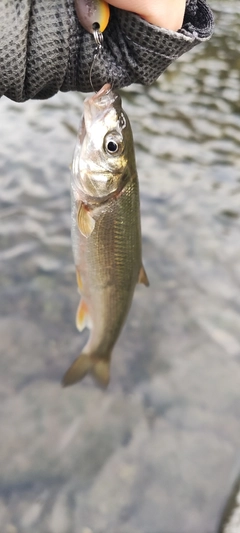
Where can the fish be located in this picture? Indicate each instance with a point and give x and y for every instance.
(106, 230)
(93, 15)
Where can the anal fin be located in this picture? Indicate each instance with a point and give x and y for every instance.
(83, 319)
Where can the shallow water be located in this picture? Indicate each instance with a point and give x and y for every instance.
(157, 452)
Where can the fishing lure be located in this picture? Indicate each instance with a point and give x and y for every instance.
(93, 15)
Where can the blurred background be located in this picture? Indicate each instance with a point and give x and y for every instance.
(158, 451)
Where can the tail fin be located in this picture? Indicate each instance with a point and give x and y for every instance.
(84, 364)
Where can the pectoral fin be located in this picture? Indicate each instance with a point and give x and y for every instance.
(142, 278)
(83, 319)
(86, 223)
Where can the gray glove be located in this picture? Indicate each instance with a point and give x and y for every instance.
(44, 49)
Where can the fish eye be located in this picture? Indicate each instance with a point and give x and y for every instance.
(113, 143)
(112, 147)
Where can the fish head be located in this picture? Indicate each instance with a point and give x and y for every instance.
(105, 156)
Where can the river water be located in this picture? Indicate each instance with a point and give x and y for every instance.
(159, 450)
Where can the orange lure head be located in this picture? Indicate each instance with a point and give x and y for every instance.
(93, 15)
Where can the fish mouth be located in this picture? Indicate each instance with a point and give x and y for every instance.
(105, 96)
(100, 104)
(106, 88)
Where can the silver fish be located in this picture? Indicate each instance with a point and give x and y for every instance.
(106, 232)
